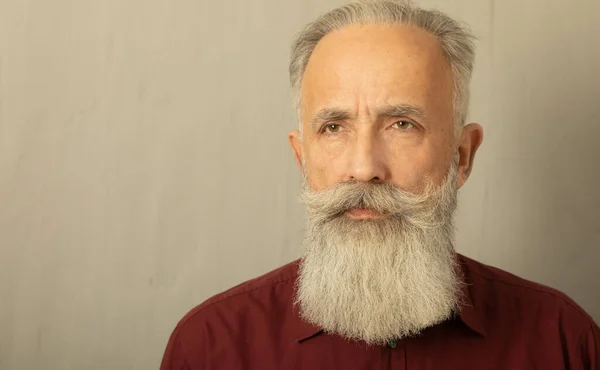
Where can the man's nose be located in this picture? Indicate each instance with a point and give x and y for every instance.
(366, 162)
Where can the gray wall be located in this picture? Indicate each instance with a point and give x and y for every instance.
(144, 165)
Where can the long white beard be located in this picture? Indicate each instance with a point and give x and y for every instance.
(379, 279)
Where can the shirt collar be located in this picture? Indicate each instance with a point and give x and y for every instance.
(306, 330)
(469, 314)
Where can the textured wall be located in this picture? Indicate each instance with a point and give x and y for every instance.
(144, 164)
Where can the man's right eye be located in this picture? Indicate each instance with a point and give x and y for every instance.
(331, 128)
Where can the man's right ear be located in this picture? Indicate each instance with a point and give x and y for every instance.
(295, 139)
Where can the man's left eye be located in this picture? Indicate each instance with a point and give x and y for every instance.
(403, 125)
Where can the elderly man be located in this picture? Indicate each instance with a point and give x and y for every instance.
(382, 95)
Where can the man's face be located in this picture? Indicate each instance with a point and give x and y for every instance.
(376, 106)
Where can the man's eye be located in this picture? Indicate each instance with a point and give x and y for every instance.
(403, 125)
(332, 128)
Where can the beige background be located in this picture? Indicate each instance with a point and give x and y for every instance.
(144, 165)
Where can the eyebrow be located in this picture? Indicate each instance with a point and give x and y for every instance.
(397, 110)
(329, 114)
(402, 110)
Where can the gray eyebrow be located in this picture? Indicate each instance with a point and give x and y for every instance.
(402, 110)
(331, 114)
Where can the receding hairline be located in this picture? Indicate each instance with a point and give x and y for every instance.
(454, 36)
(363, 26)
(384, 25)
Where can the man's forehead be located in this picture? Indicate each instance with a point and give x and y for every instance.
(373, 48)
(378, 66)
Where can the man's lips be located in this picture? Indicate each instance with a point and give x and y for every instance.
(362, 213)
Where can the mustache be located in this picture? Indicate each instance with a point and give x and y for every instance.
(383, 198)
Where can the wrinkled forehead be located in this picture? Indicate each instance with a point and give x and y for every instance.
(363, 68)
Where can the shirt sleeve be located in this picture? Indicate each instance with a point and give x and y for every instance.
(173, 358)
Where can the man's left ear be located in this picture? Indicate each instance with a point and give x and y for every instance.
(470, 140)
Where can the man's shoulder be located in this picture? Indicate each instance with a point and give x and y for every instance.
(498, 288)
(279, 282)
(242, 317)
(284, 274)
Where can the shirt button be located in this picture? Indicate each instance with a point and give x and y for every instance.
(392, 344)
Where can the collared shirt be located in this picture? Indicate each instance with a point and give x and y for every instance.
(505, 322)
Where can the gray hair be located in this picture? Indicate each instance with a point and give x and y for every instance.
(455, 38)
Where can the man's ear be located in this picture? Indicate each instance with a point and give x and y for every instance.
(470, 140)
(295, 139)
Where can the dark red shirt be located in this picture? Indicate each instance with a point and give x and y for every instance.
(505, 323)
